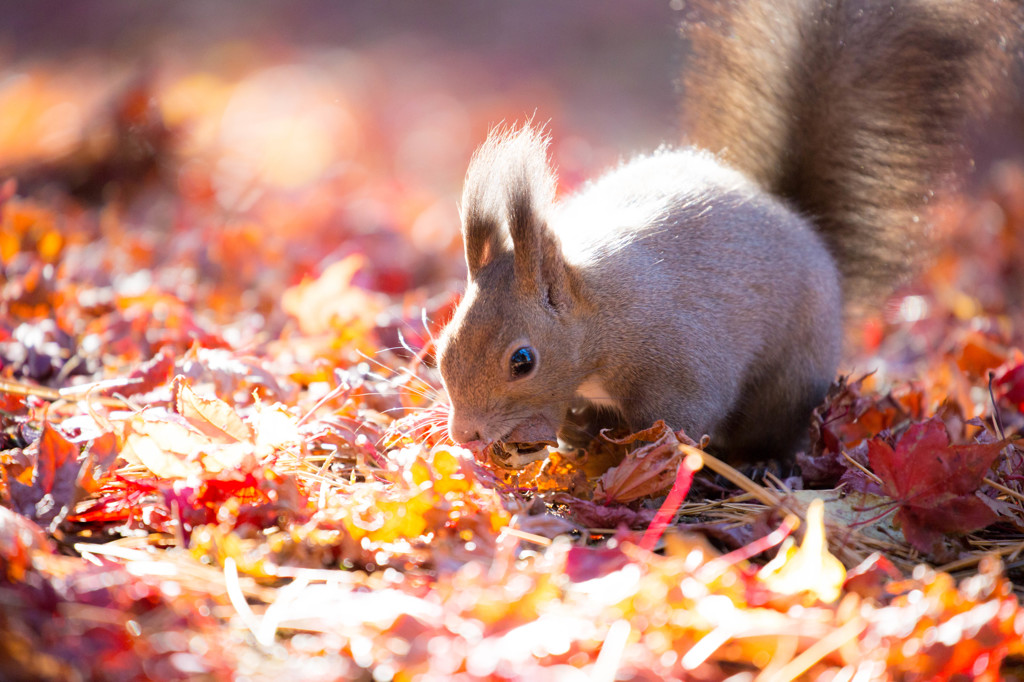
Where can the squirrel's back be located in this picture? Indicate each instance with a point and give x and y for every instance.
(852, 112)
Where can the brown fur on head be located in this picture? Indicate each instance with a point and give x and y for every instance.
(521, 294)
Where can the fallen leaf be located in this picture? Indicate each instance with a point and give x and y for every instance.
(587, 563)
(168, 449)
(331, 301)
(809, 568)
(1011, 385)
(847, 510)
(647, 471)
(230, 372)
(210, 416)
(20, 538)
(594, 515)
(153, 373)
(54, 486)
(934, 483)
(101, 454)
(173, 449)
(870, 577)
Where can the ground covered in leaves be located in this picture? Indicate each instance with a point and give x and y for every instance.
(222, 441)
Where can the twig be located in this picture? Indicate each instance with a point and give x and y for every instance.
(976, 558)
(529, 537)
(867, 472)
(1003, 489)
(738, 479)
(16, 388)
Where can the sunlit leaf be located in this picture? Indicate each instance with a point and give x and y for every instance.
(210, 416)
(809, 568)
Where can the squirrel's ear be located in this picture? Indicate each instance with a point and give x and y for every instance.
(509, 187)
(483, 236)
(540, 265)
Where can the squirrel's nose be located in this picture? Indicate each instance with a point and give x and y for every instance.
(461, 432)
(463, 436)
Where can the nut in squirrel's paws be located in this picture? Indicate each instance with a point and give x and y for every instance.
(528, 442)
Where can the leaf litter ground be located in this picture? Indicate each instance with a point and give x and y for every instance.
(223, 452)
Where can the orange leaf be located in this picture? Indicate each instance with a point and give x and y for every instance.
(809, 568)
(103, 452)
(171, 449)
(20, 539)
(55, 453)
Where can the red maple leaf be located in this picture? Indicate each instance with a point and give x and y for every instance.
(1011, 385)
(934, 482)
(154, 372)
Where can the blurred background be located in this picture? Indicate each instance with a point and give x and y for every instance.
(221, 159)
(229, 149)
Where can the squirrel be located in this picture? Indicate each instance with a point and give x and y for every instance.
(706, 285)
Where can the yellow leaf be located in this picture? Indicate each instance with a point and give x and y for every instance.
(811, 567)
(449, 473)
(171, 449)
(211, 416)
(166, 448)
(331, 303)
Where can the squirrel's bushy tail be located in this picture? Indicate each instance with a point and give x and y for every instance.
(850, 111)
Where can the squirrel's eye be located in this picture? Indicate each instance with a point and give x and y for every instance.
(522, 361)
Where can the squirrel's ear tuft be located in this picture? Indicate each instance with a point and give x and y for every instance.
(509, 187)
(540, 266)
